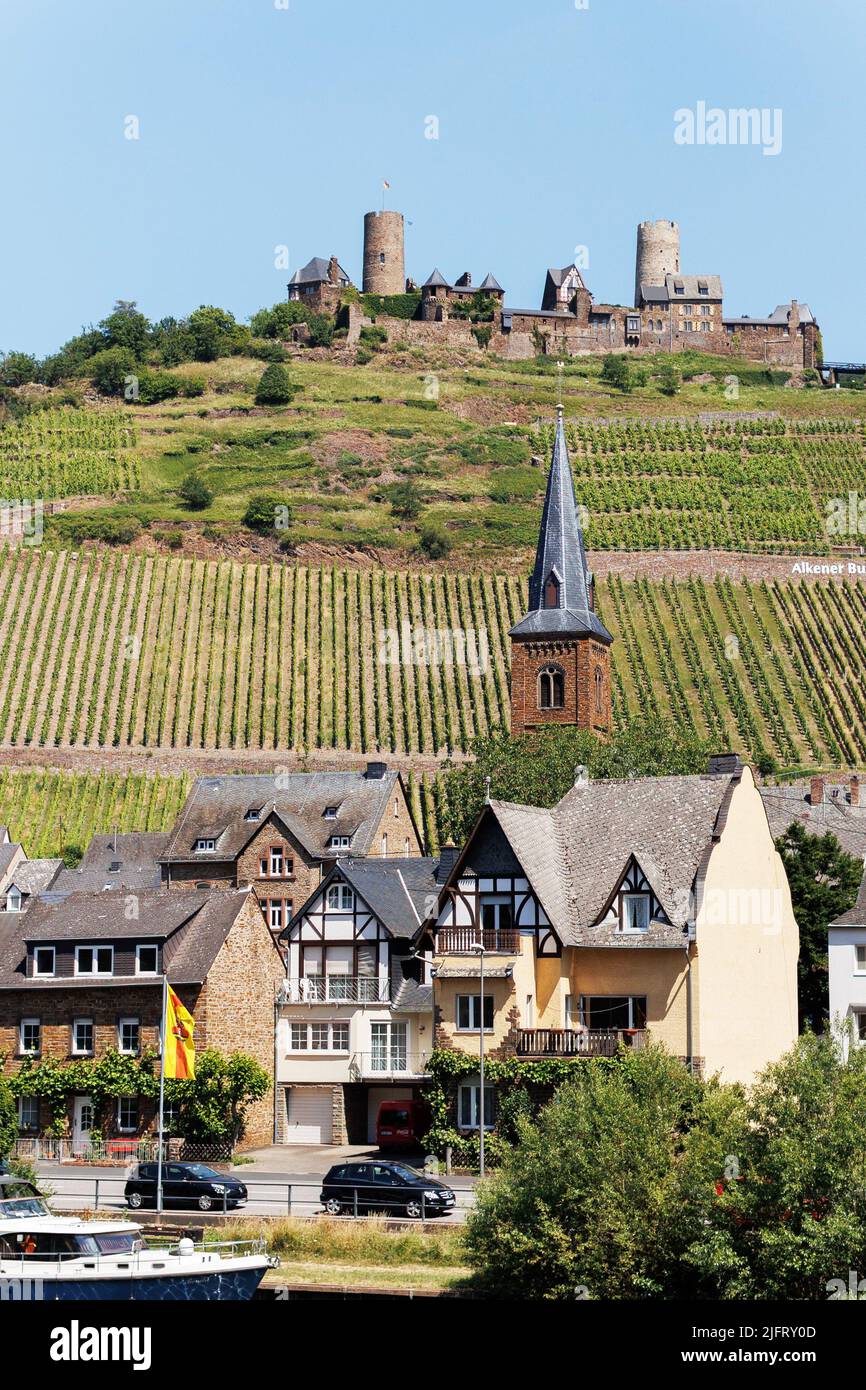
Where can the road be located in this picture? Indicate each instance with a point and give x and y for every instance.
(271, 1193)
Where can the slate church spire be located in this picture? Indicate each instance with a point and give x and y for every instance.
(560, 660)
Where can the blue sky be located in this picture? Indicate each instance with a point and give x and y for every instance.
(262, 126)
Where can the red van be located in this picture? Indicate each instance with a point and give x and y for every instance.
(400, 1124)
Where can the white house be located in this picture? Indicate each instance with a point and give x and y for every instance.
(847, 961)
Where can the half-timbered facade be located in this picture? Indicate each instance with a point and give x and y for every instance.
(355, 1023)
(650, 907)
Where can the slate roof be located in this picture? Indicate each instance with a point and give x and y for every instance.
(778, 316)
(35, 875)
(8, 851)
(690, 286)
(136, 854)
(192, 927)
(399, 891)
(216, 809)
(412, 998)
(315, 272)
(790, 803)
(558, 275)
(490, 283)
(436, 278)
(560, 550)
(576, 853)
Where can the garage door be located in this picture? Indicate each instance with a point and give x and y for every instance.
(309, 1118)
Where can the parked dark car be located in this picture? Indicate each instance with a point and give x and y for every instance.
(388, 1187)
(185, 1185)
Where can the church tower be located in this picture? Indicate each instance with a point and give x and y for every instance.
(560, 651)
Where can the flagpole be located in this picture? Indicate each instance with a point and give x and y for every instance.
(161, 1094)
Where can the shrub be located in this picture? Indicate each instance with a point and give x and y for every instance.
(395, 306)
(195, 493)
(482, 333)
(110, 369)
(274, 387)
(157, 386)
(267, 513)
(17, 368)
(669, 379)
(72, 856)
(374, 336)
(279, 321)
(321, 330)
(267, 350)
(111, 530)
(406, 499)
(215, 333)
(363, 356)
(193, 386)
(616, 371)
(434, 540)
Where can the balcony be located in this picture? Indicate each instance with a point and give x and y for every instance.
(388, 1064)
(464, 941)
(336, 989)
(576, 1042)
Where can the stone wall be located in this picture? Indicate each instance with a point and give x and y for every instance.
(579, 659)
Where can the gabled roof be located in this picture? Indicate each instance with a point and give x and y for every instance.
(557, 276)
(791, 804)
(216, 808)
(315, 272)
(399, 892)
(135, 855)
(191, 926)
(8, 851)
(575, 853)
(560, 550)
(435, 278)
(35, 875)
(691, 283)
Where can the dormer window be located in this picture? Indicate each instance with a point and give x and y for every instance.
(205, 845)
(330, 812)
(114, 866)
(551, 591)
(43, 960)
(146, 960)
(339, 842)
(253, 813)
(551, 687)
(13, 900)
(94, 960)
(635, 911)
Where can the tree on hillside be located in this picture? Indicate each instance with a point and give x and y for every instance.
(17, 368)
(616, 371)
(110, 370)
(824, 883)
(278, 321)
(539, 768)
(215, 333)
(195, 493)
(275, 386)
(406, 498)
(267, 513)
(125, 327)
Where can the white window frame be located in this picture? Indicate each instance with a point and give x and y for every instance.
(94, 974)
(344, 895)
(474, 1090)
(306, 1046)
(205, 845)
(330, 813)
(626, 898)
(28, 1100)
(860, 964)
(136, 1023)
(340, 842)
(73, 1045)
(275, 914)
(14, 895)
(146, 946)
(37, 951)
(128, 1129)
(474, 1009)
(29, 1023)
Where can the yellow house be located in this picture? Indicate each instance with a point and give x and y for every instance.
(650, 907)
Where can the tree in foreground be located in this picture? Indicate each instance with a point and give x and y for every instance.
(824, 881)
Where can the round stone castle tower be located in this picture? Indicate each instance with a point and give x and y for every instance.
(384, 271)
(658, 254)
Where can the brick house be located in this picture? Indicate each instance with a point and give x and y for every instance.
(560, 657)
(280, 834)
(319, 285)
(355, 1025)
(654, 907)
(81, 975)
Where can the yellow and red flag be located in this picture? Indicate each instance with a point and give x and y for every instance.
(179, 1046)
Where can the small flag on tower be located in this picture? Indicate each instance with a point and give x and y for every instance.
(179, 1026)
(385, 183)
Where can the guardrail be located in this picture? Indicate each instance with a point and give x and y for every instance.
(464, 941)
(335, 989)
(388, 1064)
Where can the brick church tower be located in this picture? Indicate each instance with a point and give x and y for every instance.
(560, 651)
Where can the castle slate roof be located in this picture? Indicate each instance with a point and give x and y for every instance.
(315, 272)
(490, 283)
(191, 926)
(561, 552)
(576, 853)
(436, 278)
(128, 860)
(8, 851)
(217, 808)
(691, 283)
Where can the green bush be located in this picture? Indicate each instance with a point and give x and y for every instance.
(158, 386)
(406, 499)
(110, 369)
(195, 493)
(363, 356)
(111, 530)
(267, 514)
(193, 386)
(274, 386)
(374, 336)
(17, 368)
(279, 321)
(434, 540)
(395, 306)
(267, 350)
(616, 371)
(321, 330)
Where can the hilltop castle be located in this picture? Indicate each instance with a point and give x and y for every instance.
(672, 312)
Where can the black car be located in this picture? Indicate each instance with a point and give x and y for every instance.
(361, 1188)
(185, 1185)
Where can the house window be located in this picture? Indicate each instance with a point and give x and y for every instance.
(29, 1037)
(598, 679)
(171, 1116)
(82, 1036)
(689, 326)
(339, 842)
(13, 900)
(275, 913)
(330, 812)
(94, 960)
(340, 898)
(702, 288)
(551, 591)
(253, 813)
(146, 960)
(860, 1026)
(384, 845)
(389, 1042)
(205, 846)
(325, 1036)
(276, 861)
(705, 309)
(469, 1105)
(613, 1011)
(497, 916)
(705, 327)
(128, 1036)
(127, 1114)
(319, 1037)
(635, 911)
(28, 1113)
(551, 688)
(43, 960)
(860, 960)
(469, 1013)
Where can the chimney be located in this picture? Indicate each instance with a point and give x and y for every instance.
(333, 271)
(374, 772)
(724, 763)
(447, 859)
(794, 315)
(816, 791)
(854, 795)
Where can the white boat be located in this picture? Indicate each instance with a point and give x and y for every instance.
(65, 1258)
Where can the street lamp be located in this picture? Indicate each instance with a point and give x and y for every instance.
(479, 951)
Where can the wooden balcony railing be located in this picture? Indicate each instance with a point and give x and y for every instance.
(464, 941)
(576, 1042)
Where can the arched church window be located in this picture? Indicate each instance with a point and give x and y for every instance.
(551, 591)
(551, 687)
